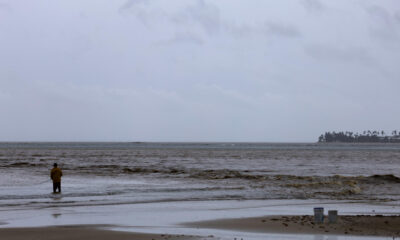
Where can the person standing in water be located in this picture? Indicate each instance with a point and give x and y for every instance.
(55, 175)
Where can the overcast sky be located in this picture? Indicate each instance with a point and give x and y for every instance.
(197, 70)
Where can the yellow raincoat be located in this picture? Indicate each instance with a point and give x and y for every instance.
(56, 174)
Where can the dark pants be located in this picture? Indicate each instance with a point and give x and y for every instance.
(55, 186)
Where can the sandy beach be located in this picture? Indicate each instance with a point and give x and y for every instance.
(361, 225)
(250, 220)
(81, 232)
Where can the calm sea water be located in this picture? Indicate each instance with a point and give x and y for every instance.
(121, 173)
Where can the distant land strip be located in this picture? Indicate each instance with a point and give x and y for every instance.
(364, 137)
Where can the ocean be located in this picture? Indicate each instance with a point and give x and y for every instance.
(101, 174)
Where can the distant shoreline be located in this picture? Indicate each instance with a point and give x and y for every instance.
(365, 137)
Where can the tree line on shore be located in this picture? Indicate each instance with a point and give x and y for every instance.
(364, 137)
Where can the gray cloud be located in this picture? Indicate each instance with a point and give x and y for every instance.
(340, 54)
(383, 25)
(397, 16)
(197, 70)
(313, 5)
(206, 14)
(186, 37)
(131, 3)
(142, 11)
(282, 30)
(5, 7)
(240, 30)
(380, 14)
(200, 14)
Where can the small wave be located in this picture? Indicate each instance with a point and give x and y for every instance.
(386, 178)
(119, 192)
(224, 174)
(338, 179)
(153, 170)
(197, 173)
(220, 174)
(24, 164)
(47, 195)
(341, 187)
(193, 189)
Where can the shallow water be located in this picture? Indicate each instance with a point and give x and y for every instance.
(165, 217)
(127, 173)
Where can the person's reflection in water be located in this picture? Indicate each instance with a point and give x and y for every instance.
(323, 237)
(56, 215)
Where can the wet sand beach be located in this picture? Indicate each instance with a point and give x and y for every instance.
(361, 225)
(81, 232)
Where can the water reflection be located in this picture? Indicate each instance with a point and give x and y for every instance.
(56, 215)
(323, 237)
(56, 196)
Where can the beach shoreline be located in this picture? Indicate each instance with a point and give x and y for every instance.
(222, 219)
(301, 225)
(84, 232)
(358, 225)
